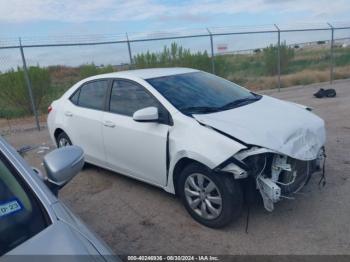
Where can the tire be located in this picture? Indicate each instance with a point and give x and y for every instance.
(225, 195)
(63, 140)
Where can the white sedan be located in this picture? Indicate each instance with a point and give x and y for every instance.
(193, 134)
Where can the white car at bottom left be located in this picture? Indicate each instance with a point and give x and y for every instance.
(33, 221)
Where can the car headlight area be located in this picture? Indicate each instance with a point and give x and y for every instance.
(276, 176)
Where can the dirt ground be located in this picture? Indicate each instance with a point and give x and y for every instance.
(135, 218)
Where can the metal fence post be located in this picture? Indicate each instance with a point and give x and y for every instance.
(129, 49)
(279, 57)
(29, 85)
(212, 51)
(332, 55)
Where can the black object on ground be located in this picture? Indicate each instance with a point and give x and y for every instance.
(325, 93)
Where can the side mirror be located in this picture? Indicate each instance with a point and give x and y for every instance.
(148, 114)
(62, 165)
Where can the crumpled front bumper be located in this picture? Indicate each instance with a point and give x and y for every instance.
(277, 176)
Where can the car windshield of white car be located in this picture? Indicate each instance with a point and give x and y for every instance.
(200, 92)
(21, 214)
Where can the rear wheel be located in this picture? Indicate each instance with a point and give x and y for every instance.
(212, 199)
(63, 140)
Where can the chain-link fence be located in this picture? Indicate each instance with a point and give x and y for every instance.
(34, 71)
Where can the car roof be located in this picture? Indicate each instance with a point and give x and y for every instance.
(146, 73)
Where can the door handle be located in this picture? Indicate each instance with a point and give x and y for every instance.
(108, 124)
(68, 113)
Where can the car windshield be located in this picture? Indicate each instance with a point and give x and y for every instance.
(200, 92)
(21, 214)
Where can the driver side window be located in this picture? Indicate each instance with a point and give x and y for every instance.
(128, 97)
(21, 214)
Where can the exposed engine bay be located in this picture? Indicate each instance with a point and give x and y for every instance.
(279, 155)
(277, 176)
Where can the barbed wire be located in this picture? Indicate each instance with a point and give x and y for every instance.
(93, 39)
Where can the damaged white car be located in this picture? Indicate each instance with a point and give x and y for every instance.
(194, 134)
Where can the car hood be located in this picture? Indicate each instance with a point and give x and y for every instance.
(274, 124)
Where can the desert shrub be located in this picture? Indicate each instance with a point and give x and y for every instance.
(270, 56)
(176, 55)
(342, 56)
(91, 70)
(14, 90)
(87, 70)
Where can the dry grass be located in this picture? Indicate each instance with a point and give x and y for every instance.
(315, 53)
(18, 124)
(304, 77)
(62, 75)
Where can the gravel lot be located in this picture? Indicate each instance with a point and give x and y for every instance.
(135, 218)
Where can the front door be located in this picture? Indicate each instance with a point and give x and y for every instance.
(137, 149)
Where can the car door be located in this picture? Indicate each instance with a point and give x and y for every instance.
(137, 149)
(22, 214)
(84, 114)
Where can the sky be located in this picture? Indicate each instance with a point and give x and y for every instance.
(37, 20)
(60, 17)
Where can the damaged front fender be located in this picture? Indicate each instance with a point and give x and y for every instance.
(201, 144)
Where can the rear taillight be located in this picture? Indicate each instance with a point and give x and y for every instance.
(49, 109)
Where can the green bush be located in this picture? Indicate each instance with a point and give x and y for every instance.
(254, 70)
(14, 91)
(91, 70)
(270, 57)
(176, 55)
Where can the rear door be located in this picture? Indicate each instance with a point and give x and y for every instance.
(137, 149)
(83, 115)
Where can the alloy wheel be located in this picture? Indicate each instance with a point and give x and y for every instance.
(203, 196)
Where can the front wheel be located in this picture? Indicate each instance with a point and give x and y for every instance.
(212, 199)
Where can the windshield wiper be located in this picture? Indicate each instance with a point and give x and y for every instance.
(210, 109)
(240, 102)
(199, 109)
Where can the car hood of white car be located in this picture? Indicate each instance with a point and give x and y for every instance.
(281, 126)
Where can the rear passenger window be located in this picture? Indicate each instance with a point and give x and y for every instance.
(74, 98)
(92, 95)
